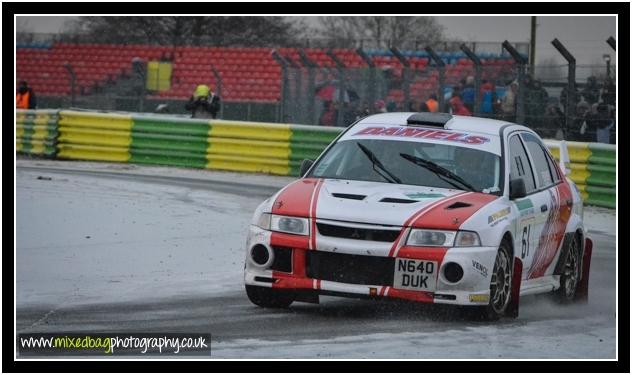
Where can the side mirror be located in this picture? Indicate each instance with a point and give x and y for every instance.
(305, 166)
(517, 189)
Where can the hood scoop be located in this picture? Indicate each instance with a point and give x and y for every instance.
(349, 196)
(458, 205)
(398, 200)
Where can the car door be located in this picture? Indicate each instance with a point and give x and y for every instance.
(529, 222)
(552, 208)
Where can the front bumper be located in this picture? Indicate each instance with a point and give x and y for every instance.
(296, 272)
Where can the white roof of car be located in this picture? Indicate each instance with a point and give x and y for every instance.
(461, 131)
(465, 123)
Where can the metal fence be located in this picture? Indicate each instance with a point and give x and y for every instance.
(339, 96)
(560, 101)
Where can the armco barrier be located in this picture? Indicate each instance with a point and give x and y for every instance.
(237, 145)
(593, 169)
(213, 144)
(36, 132)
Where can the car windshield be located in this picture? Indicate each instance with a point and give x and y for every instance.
(411, 163)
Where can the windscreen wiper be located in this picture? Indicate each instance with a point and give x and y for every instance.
(441, 172)
(376, 162)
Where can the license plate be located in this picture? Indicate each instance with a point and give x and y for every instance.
(413, 274)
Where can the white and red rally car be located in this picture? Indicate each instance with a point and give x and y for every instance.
(426, 207)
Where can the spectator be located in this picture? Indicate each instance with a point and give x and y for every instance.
(203, 103)
(380, 106)
(391, 106)
(457, 106)
(608, 93)
(508, 102)
(329, 115)
(423, 107)
(468, 93)
(564, 98)
(553, 123)
(364, 111)
(25, 97)
(578, 124)
(591, 91)
(432, 103)
(535, 103)
(602, 124)
(488, 98)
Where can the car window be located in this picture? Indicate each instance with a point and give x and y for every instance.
(346, 160)
(539, 159)
(556, 176)
(520, 165)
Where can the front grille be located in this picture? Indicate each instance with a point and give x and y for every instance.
(350, 269)
(380, 235)
(282, 259)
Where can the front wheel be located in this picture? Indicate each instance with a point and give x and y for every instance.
(500, 286)
(268, 297)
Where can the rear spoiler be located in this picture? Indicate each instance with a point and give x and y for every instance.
(564, 158)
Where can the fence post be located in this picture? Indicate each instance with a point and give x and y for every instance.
(441, 67)
(218, 89)
(405, 74)
(298, 111)
(281, 61)
(73, 79)
(571, 86)
(477, 77)
(342, 90)
(521, 61)
(311, 95)
(612, 43)
(372, 78)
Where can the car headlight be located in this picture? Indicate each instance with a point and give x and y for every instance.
(467, 239)
(286, 224)
(444, 238)
(425, 237)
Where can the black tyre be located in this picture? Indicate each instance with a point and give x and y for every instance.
(569, 279)
(500, 286)
(268, 297)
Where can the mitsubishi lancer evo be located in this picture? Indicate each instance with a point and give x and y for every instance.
(426, 207)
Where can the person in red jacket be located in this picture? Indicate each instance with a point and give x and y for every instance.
(457, 106)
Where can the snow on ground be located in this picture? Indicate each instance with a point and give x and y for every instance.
(110, 240)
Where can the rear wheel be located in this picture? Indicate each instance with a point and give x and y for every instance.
(268, 297)
(570, 273)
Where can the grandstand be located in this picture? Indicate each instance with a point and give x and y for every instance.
(247, 74)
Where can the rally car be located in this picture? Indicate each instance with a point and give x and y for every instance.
(427, 207)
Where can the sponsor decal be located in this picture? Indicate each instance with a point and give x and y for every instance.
(422, 196)
(498, 215)
(525, 207)
(412, 132)
(479, 298)
(479, 267)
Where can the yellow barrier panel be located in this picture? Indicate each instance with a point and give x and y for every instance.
(97, 137)
(81, 152)
(245, 147)
(95, 120)
(246, 164)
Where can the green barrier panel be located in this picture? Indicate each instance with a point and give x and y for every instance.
(169, 141)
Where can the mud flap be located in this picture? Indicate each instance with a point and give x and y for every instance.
(582, 287)
(514, 303)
